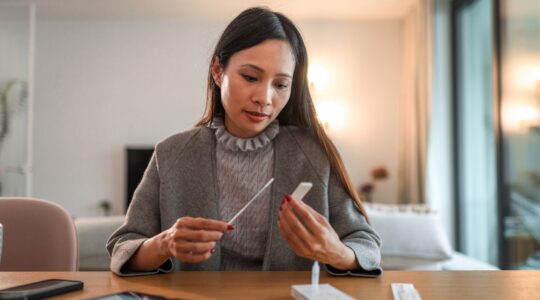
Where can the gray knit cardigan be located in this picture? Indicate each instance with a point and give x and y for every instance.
(181, 181)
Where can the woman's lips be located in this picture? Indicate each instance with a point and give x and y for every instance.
(256, 116)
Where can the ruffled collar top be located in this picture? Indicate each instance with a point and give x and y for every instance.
(234, 143)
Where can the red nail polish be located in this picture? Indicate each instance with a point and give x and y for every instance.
(288, 198)
(230, 227)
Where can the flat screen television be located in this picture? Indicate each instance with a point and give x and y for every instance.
(137, 161)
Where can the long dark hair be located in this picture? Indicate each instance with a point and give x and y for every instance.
(252, 27)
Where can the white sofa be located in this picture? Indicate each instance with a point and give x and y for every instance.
(93, 235)
(412, 240)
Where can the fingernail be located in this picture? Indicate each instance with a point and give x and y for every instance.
(230, 227)
(288, 198)
(213, 250)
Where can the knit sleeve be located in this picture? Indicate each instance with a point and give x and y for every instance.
(142, 222)
(354, 231)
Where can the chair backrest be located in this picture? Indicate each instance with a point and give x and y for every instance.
(38, 236)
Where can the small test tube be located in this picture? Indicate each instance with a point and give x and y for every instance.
(315, 276)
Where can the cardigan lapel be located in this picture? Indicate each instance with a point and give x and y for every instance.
(196, 183)
(198, 180)
(278, 254)
(292, 165)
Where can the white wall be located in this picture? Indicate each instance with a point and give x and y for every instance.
(102, 85)
(363, 62)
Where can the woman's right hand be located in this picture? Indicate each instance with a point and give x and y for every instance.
(192, 240)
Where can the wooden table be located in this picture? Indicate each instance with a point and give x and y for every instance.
(459, 285)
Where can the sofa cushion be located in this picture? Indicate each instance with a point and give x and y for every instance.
(412, 235)
(461, 262)
(93, 235)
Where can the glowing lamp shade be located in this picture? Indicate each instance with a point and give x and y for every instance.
(331, 114)
(518, 118)
(535, 74)
(318, 77)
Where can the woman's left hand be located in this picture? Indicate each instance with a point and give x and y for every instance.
(310, 235)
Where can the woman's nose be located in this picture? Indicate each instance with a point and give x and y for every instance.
(263, 95)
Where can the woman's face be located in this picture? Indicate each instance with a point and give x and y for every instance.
(255, 86)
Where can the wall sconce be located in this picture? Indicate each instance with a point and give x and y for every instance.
(331, 114)
(535, 75)
(318, 77)
(524, 115)
(535, 78)
(520, 118)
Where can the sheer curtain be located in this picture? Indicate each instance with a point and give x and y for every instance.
(476, 132)
(415, 103)
(440, 194)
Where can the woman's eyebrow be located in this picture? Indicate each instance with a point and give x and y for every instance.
(262, 70)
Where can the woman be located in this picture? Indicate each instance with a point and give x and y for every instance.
(259, 123)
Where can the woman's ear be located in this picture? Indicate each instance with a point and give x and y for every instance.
(217, 71)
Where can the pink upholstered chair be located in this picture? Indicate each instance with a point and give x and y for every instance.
(38, 236)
